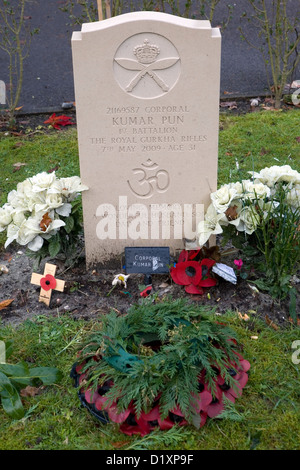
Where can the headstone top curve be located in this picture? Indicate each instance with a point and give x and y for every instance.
(141, 16)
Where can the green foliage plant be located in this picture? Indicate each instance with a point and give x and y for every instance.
(260, 217)
(15, 377)
(278, 240)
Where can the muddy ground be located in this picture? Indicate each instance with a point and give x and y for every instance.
(89, 293)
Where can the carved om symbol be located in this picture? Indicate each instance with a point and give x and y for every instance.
(149, 180)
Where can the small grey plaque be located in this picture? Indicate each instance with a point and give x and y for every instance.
(147, 260)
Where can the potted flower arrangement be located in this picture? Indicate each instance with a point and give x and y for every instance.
(42, 214)
(260, 216)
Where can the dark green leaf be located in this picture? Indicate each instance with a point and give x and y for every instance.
(54, 246)
(18, 373)
(69, 224)
(10, 399)
(48, 375)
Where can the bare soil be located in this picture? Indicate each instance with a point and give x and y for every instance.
(89, 293)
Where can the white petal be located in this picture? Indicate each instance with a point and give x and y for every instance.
(36, 244)
(56, 224)
(64, 210)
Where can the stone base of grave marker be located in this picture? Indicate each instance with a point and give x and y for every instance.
(147, 105)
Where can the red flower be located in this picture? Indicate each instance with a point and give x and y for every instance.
(57, 121)
(186, 273)
(193, 274)
(207, 281)
(188, 255)
(48, 282)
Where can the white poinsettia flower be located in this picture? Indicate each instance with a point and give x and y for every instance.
(5, 216)
(272, 175)
(53, 226)
(28, 230)
(64, 210)
(42, 181)
(48, 202)
(120, 279)
(24, 189)
(254, 190)
(69, 187)
(210, 225)
(249, 220)
(18, 218)
(39, 224)
(293, 195)
(222, 198)
(237, 187)
(18, 201)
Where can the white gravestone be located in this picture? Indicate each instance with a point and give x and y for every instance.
(147, 105)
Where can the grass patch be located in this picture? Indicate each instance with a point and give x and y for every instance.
(256, 140)
(43, 152)
(267, 416)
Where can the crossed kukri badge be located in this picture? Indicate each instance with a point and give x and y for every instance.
(146, 63)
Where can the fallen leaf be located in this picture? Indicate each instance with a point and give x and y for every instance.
(119, 444)
(18, 144)
(57, 121)
(254, 337)
(264, 151)
(228, 104)
(5, 303)
(271, 323)
(18, 166)
(30, 391)
(244, 317)
(298, 139)
(163, 285)
(53, 169)
(18, 109)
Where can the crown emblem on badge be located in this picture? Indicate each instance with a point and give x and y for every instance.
(146, 53)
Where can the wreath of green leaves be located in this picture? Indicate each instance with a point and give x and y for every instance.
(159, 349)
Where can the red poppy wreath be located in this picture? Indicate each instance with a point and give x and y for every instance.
(159, 365)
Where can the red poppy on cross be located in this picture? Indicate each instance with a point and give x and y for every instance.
(47, 282)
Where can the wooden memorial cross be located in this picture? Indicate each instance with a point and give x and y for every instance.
(47, 282)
